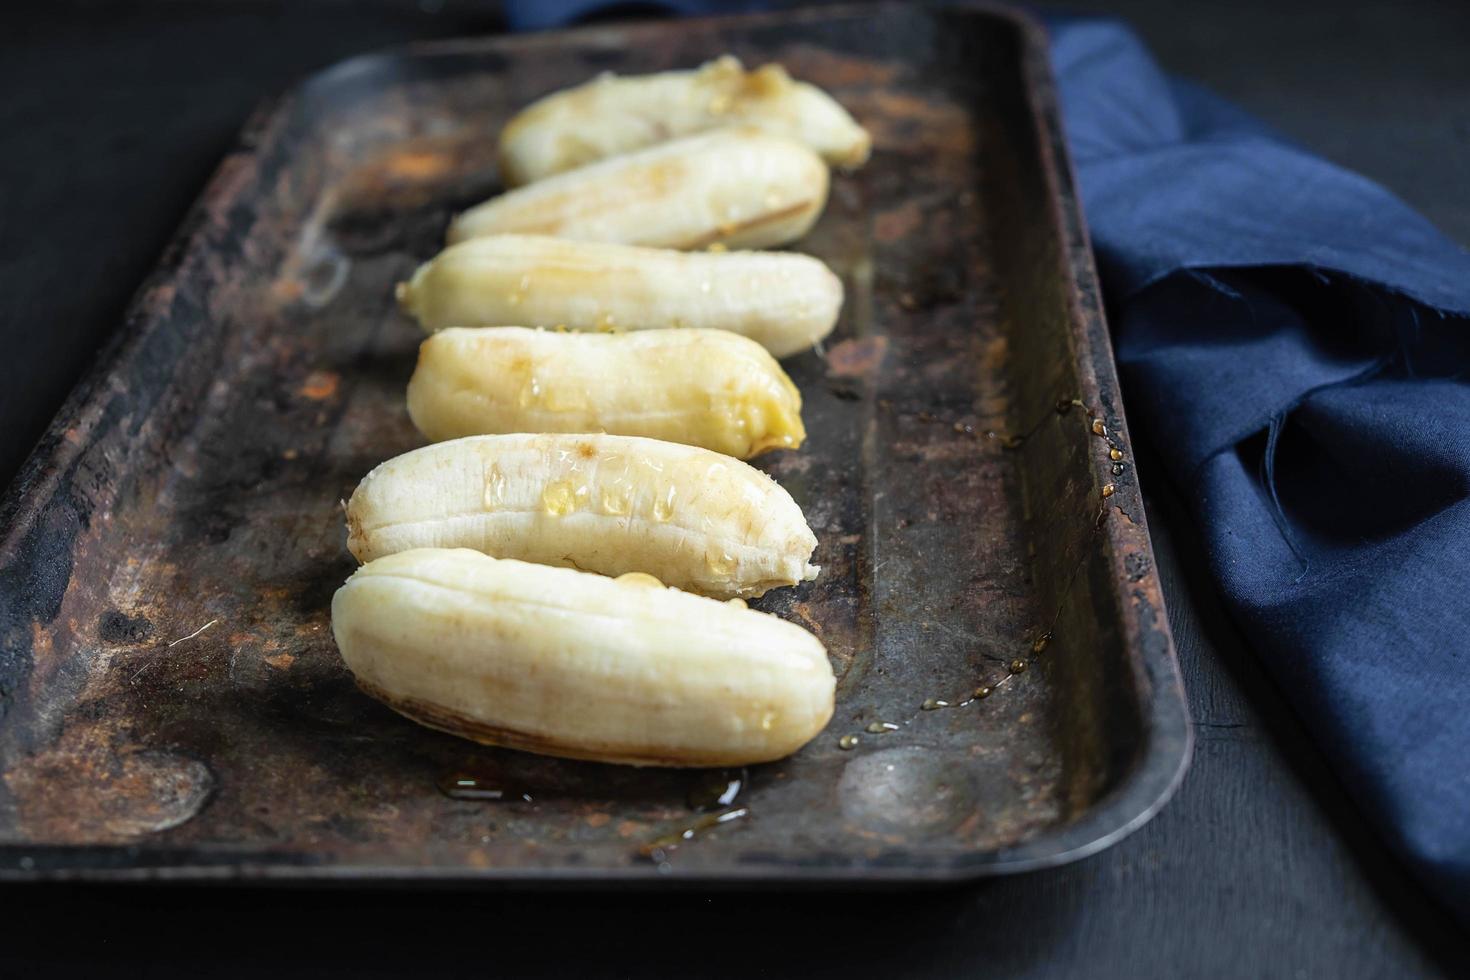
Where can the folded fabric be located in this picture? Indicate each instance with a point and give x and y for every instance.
(1294, 341)
(537, 15)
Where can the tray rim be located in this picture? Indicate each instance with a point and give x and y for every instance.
(1162, 761)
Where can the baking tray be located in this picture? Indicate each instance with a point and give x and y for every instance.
(174, 707)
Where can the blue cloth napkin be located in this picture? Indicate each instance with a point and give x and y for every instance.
(1294, 341)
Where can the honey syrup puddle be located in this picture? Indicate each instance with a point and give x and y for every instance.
(716, 788)
(479, 788)
(660, 848)
(714, 792)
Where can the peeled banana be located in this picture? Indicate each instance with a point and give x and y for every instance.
(783, 301)
(611, 504)
(565, 663)
(611, 115)
(700, 387)
(740, 186)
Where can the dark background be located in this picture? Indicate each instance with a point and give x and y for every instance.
(113, 115)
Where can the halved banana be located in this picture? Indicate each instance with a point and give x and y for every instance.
(783, 301)
(571, 664)
(611, 115)
(699, 387)
(740, 186)
(611, 504)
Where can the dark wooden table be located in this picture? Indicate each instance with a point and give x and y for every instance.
(111, 118)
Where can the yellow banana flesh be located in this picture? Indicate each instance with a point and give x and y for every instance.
(577, 665)
(783, 301)
(612, 115)
(739, 186)
(695, 519)
(703, 388)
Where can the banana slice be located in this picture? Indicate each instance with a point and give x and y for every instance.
(611, 115)
(783, 301)
(700, 387)
(740, 186)
(570, 664)
(611, 504)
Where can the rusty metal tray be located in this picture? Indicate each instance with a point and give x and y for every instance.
(173, 705)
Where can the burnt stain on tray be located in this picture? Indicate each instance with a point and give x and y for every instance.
(173, 703)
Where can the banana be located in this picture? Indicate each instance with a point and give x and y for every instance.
(611, 115)
(740, 187)
(699, 387)
(783, 301)
(611, 504)
(576, 665)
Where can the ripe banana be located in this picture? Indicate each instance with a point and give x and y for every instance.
(740, 187)
(570, 664)
(611, 504)
(783, 301)
(611, 115)
(699, 387)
